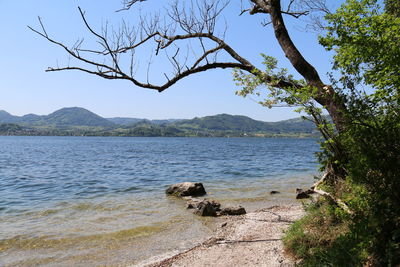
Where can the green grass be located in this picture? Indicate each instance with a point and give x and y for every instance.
(324, 238)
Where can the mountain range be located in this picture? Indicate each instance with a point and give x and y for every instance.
(80, 121)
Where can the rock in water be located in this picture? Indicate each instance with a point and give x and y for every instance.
(273, 192)
(216, 205)
(233, 211)
(186, 189)
(192, 203)
(205, 208)
(301, 194)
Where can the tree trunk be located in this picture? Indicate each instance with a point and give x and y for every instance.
(326, 95)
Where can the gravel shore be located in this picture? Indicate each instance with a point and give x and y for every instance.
(253, 239)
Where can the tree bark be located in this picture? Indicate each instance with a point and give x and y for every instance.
(326, 95)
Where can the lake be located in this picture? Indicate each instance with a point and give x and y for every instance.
(100, 200)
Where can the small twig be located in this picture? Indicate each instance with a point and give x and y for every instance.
(247, 241)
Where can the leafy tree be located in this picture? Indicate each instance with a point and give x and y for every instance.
(392, 7)
(366, 41)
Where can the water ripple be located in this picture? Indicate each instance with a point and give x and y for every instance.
(53, 176)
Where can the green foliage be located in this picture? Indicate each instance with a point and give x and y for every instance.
(302, 97)
(10, 128)
(366, 42)
(327, 235)
(254, 83)
(323, 238)
(374, 146)
(392, 7)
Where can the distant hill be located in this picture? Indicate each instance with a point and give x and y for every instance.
(131, 121)
(64, 117)
(32, 119)
(77, 117)
(80, 121)
(124, 121)
(6, 117)
(226, 122)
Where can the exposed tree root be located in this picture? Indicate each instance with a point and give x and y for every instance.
(340, 203)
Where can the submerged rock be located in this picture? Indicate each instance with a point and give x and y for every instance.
(205, 208)
(191, 202)
(301, 194)
(233, 211)
(216, 205)
(190, 205)
(273, 192)
(196, 203)
(186, 189)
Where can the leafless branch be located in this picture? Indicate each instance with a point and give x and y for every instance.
(197, 24)
(206, 53)
(149, 33)
(257, 9)
(114, 71)
(128, 4)
(318, 9)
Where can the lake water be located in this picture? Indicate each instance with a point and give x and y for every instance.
(78, 201)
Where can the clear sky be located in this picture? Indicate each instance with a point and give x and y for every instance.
(25, 87)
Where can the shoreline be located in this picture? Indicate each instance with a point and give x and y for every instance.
(291, 136)
(253, 239)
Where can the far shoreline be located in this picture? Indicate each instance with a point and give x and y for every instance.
(138, 136)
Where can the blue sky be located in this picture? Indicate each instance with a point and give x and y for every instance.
(25, 87)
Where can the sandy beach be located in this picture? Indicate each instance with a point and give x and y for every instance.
(253, 239)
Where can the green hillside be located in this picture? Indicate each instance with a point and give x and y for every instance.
(124, 121)
(6, 117)
(65, 117)
(225, 122)
(81, 122)
(76, 117)
(132, 121)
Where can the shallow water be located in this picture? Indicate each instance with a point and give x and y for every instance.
(100, 201)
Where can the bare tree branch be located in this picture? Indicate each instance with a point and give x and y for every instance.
(128, 4)
(194, 23)
(257, 9)
(149, 32)
(318, 9)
